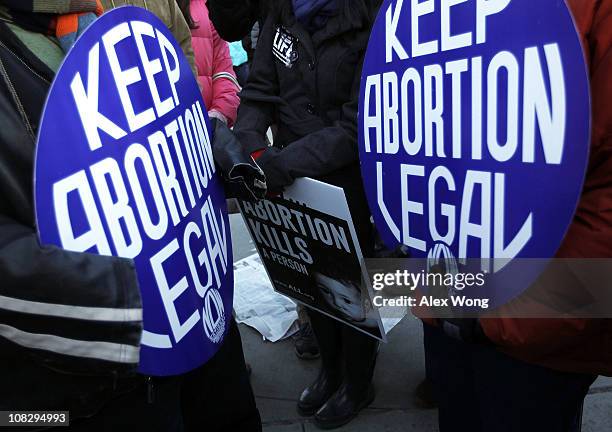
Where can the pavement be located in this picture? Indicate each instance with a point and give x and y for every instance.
(279, 377)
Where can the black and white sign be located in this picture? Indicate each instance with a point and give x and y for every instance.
(307, 242)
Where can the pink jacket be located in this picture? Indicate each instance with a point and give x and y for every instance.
(215, 72)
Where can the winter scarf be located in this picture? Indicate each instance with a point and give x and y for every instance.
(313, 14)
(65, 19)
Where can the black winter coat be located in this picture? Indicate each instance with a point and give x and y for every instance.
(70, 323)
(308, 86)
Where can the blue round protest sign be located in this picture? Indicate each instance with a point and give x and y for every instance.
(124, 167)
(474, 130)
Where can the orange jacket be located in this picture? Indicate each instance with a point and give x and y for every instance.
(577, 345)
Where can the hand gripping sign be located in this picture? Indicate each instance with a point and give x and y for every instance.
(474, 131)
(124, 167)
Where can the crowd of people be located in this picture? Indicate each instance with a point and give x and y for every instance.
(500, 375)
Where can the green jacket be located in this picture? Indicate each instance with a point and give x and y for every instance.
(169, 12)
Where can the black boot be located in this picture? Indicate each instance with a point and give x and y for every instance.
(356, 391)
(317, 393)
(328, 334)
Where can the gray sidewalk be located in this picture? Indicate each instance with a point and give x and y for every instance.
(279, 377)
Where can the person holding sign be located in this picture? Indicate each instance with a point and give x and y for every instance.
(72, 329)
(486, 142)
(69, 322)
(305, 78)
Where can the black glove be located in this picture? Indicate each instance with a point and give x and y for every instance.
(244, 179)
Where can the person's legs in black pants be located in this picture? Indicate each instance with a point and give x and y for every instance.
(328, 333)
(217, 397)
(344, 386)
(536, 398)
(450, 371)
(480, 389)
(155, 407)
(356, 392)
